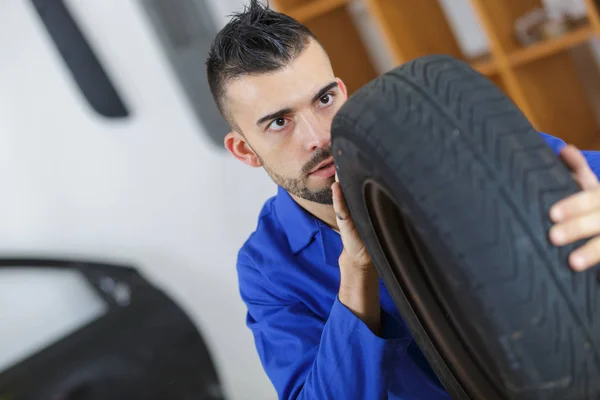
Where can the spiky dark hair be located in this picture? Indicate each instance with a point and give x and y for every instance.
(256, 40)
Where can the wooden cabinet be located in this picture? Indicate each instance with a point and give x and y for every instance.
(542, 79)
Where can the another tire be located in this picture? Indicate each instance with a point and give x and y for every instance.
(450, 187)
(143, 347)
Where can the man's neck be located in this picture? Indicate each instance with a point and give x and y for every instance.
(324, 212)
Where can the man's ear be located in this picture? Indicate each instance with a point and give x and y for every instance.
(238, 146)
(342, 87)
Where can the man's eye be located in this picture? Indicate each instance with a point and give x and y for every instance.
(278, 124)
(327, 99)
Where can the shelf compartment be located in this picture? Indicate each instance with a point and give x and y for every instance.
(314, 9)
(593, 9)
(554, 92)
(407, 26)
(498, 19)
(551, 46)
(484, 64)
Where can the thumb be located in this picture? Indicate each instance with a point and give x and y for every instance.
(581, 171)
(340, 208)
(350, 236)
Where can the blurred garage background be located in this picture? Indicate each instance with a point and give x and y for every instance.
(121, 212)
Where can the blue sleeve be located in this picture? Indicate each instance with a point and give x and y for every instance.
(592, 157)
(306, 357)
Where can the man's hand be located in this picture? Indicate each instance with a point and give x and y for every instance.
(578, 216)
(354, 253)
(359, 281)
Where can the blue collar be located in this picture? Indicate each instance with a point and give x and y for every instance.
(298, 224)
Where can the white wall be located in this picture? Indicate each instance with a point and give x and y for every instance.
(223, 8)
(150, 190)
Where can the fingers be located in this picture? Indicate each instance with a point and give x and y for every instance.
(575, 205)
(344, 222)
(339, 203)
(356, 251)
(578, 165)
(586, 256)
(581, 227)
(578, 216)
(342, 213)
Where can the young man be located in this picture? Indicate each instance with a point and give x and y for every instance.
(324, 325)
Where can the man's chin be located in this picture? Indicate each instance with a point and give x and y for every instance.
(321, 195)
(320, 183)
(321, 187)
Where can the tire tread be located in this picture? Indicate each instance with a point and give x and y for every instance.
(434, 121)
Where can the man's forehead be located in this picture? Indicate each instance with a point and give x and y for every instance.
(268, 92)
(288, 87)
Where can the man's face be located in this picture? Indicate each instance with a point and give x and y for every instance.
(285, 117)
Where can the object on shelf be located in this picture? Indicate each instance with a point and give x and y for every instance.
(574, 9)
(539, 25)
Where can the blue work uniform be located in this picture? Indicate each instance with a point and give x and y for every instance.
(310, 345)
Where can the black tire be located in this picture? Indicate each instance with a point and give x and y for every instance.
(450, 188)
(143, 347)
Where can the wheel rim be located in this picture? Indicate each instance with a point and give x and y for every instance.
(408, 259)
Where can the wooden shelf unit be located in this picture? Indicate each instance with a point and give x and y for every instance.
(542, 79)
(335, 27)
(548, 48)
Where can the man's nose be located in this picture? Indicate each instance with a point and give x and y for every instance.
(316, 132)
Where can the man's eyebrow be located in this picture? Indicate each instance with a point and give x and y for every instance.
(283, 112)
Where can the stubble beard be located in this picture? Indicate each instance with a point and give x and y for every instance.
(298, 186)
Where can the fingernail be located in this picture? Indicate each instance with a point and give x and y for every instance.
(578, 261)
(556, 213)
(557, 236)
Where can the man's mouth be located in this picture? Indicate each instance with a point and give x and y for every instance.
(324, 164)
(325, 170)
